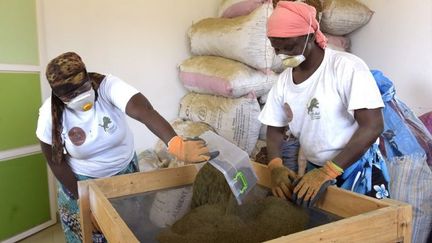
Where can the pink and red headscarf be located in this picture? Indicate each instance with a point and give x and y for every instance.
(292, 19)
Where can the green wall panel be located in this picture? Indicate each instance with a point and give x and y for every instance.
(20, 101)
(18, 28)
(24, 199)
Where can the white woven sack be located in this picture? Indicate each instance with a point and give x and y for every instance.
(170, 206)
(225, 77)
(148, 160)
(341, 17)
(243, 39)
(234, 119)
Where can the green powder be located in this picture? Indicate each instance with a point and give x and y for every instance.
(210, 187)
(216, 217)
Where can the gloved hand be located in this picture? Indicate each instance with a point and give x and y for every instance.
(315, 182)
(282, 179)
(189, 150)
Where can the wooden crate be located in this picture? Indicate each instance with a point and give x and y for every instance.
(365, 219)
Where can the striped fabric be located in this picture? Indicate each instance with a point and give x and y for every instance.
(412, 183)
(407, 145)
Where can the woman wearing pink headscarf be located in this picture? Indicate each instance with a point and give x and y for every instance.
(331, 103)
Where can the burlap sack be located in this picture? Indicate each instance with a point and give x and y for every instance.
(243, 39)
(341, 17)
(234, 119)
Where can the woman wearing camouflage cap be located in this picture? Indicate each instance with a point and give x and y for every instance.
(83, 132)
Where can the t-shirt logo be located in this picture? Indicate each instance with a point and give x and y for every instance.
(313, 109)
(77, 136)
(105, 125)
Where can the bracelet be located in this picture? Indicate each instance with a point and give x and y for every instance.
(337, 167)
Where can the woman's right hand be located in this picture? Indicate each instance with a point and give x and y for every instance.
(282, 179)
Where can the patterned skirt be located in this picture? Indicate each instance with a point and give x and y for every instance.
(69, 211)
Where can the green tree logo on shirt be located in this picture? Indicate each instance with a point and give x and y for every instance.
(106, 121)
(313, 109)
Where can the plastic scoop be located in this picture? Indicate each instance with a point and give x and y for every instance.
(233, 163)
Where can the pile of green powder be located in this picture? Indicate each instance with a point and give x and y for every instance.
(215, 215)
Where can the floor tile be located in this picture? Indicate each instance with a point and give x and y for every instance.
(52, 234)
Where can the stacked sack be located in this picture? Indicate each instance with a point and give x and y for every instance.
(232, 66)
(342, 17)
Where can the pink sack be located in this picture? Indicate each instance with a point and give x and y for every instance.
(340, 43)
(236, 8)
(224, 77)
(427, 120)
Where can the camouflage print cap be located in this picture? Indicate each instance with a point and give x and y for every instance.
(66, 73)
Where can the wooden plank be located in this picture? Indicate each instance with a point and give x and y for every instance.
(366, 219)
(404, 220)
(109, 221)
(336, 200)
(347, 204)
(376, 226)
(84, 206)
(129, 184)
(405, 223)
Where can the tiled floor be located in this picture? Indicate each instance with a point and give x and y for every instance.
(52, 234)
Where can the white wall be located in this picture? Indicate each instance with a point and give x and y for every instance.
(398, 41)
(140, 41)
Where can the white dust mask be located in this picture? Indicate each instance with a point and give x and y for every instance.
(82, 102)
(291, 61)
(294, 61)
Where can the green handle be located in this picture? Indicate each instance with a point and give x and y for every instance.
(241, 176)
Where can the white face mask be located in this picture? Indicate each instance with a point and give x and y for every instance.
(291, 61)
(82, 102)
(294, 61)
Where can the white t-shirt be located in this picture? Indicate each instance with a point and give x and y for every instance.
(322, 107)
(99, 142)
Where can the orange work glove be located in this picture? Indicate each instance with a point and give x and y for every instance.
(282, 179)
(314, 183)
(189, 150)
